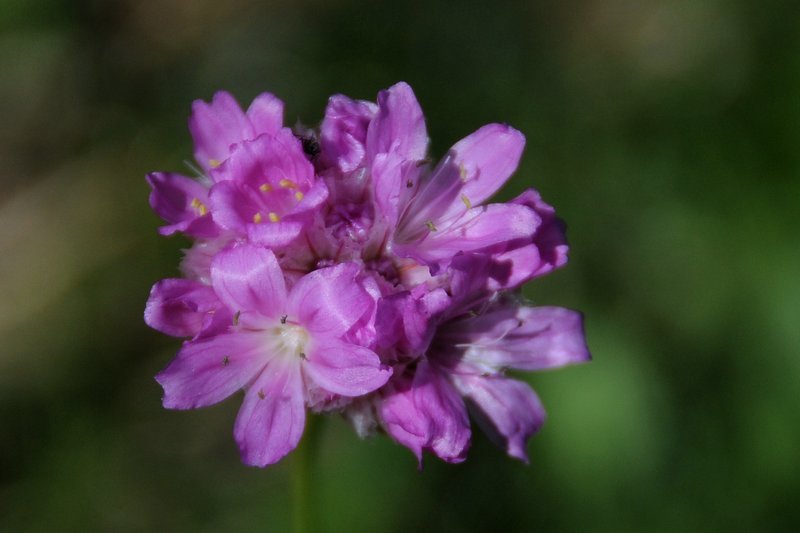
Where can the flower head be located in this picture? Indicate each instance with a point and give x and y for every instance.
(358, 278)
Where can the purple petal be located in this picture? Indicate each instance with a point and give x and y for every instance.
(329, 301)
(394, 180)
(265, 114)
(234, 205)
(208, 371)
(247, 278)
(523, 338)
(439, 198)
(427, 414)
(550, 237)
(508, 411)
(479, 229)
(183, 203)
(407, 320)
(344, 131)
(488, 157)
(345, 369)
(180, 307)
(399, 125)
(274, 234)
(312, 200)
(217, 126)
(268, 159)
(271, 420)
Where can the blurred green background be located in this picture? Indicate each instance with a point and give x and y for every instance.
(666, 133)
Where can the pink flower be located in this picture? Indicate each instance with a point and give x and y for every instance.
(281, 346)
(474, 340)
(341, 271)
(216, 128)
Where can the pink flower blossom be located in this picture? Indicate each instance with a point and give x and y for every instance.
(282, 346)
(341, 271)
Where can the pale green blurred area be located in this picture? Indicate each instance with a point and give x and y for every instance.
(666, 134)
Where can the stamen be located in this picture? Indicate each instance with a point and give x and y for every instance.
(287, 184)
(466, 201)
(298, 195)
(213, 163)
(273, 216)
(462, 171)
(257, 218)
(236, 318)
(199, 206)
(265, 187)
(430, 225)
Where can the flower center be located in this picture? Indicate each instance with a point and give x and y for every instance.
(289, 340)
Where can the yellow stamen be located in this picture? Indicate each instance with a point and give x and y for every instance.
(213, 163)
(298, 195)
(257, 218)
(273, 216)
(287, 184)
(462, 171)
(265, 187)
(466, 201)
(199, 206)
(430, 225)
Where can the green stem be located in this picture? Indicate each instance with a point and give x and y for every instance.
(302, 467)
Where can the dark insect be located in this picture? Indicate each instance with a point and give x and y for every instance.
(310, 145)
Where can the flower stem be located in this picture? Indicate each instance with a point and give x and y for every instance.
(302, 467)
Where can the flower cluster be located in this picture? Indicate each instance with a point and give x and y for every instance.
(342, 271)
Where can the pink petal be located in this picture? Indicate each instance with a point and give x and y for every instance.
(208, 371)
(508, 410)
(488, 157)
(268, 158)
(183, 203)
(345, 369)
(312, 200)
(344, 131)
(274, 234)
(180, 307)
(399, 125)
(265, 114)
(427, 414)
(217, 126)
(550, 238)
(394, 181)
(233, 205)
(523, 338)
(438, 198)
(271, 420)
(329, 301)
(479, 229)
(247, 278)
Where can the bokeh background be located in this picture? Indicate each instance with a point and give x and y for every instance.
(666, 133)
